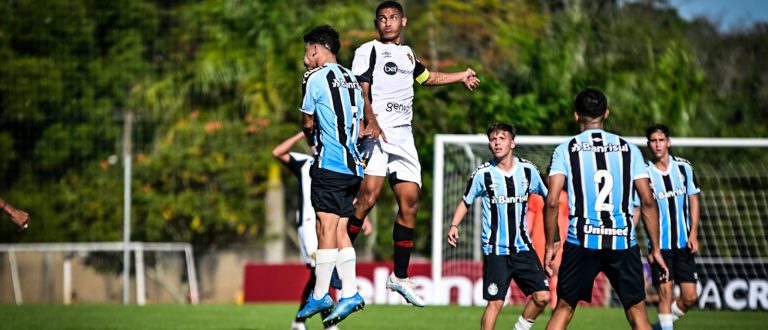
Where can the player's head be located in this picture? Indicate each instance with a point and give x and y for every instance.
(501, 139)
(390, 20)
(590, 106)
(322, 41)
(658, 140)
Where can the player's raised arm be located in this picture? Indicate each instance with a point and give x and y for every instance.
(19, 217)
(650, 212)
(468, 77)
(282, 150)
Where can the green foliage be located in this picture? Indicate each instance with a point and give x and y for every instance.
(216, 84)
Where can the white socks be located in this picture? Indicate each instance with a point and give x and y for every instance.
(665, 321)
(677, 313)
(325, 261)
(523, 324)
(345, 266)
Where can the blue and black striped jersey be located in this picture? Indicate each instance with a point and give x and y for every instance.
(331, 93)
(671, 189)
(505, 203)
(600, 169)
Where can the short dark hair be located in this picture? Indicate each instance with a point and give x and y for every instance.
(590, 103)
(325, 36)
(390, 4)
(654, 128)
(501, 127)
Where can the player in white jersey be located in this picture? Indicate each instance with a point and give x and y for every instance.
(386, 71)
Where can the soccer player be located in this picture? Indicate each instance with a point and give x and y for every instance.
(505, 184)
(386, 71)
(600, 171)
(332, 116)
(676, 191)
(19, 217)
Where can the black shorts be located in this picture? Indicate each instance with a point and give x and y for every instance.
(681, 265)
(333, 192)
(580, 266)
(524, 267)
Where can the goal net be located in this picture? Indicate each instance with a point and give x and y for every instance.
(733, 233)
(92, 273)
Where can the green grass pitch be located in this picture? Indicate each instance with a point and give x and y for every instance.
(279, 316)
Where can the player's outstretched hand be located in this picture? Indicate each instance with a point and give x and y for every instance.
(470, 79)
(549, 257)
(655, 257)
(693, 244)
(453, 236)
(20, 217)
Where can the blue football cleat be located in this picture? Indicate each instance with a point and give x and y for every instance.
(335, 280)
(345, 307)
(315, 306)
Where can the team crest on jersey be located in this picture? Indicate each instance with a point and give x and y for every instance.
(493, 289)
(410, 57)
(386, 54)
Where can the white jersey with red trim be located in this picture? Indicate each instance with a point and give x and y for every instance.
(391, 70)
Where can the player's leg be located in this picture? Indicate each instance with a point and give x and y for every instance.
(532, 281)
(370, 188)
(686, 277)
(624, 270)
(326, 256)
(496, 278)
(492, 310)
(665, 290)
(578, 270)
(407, 196)
(350, 301)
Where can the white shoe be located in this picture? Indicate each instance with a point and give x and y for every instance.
(333, 327)
(404, 286)
(298, 326)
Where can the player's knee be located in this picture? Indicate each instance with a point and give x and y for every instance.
(688, 299)
(366, 200)
(495, 305)
(541, 298)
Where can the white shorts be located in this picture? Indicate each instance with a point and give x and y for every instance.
(396, 157)
(307, 234)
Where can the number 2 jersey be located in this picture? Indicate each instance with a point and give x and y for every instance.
(391, 70)
(600, 169)
(505, 203)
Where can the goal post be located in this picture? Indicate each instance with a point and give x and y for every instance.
(165, 263)
(733, 232)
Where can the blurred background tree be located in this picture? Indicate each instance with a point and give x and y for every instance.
(215, 85)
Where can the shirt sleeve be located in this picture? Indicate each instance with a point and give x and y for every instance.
(420, 73)
(308, 99)
(639, 170)
(474, 189)
(558, 164)
(363, 63)
(537, 185)
(692, 184)
(295, 162)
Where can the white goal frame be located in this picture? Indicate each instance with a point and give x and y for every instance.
(137, 248)
(441, 140)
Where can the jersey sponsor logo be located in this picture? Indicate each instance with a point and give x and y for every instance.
(669, 194)
(585, 146)
(590, 229)
(345, 84)
(386, 54)
(398, 107)
(509, 199)
(391, 68)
